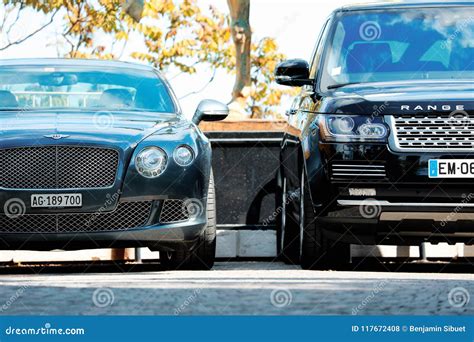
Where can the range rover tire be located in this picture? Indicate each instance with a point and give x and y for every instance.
(202, 255)
(317, 252)
(287, 228)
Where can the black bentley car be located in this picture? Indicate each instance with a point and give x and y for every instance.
(98, 154)
(384, 149)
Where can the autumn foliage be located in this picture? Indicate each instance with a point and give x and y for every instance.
(176, 34)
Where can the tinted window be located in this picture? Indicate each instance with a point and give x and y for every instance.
(87, 88)
(408, 44)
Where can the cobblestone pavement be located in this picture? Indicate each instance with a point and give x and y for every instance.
(248, 288)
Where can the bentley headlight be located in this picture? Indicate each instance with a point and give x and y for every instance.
(352, 128)
(151, 162)
(183, 155)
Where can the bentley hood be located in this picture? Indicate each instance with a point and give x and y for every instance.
(119, 129)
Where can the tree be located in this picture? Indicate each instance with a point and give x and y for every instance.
(12, 14)
(177, 34)
(242, 37)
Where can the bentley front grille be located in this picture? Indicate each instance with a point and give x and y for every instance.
(174, 210)
(127, 215)
(432, 132)
(58, 167)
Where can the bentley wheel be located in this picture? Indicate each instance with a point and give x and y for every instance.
(317, 252)
(202, 255)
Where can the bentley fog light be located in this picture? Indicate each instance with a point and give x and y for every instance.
(183, 155)
(151, 162)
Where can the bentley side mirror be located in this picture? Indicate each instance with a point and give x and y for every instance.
(293, 73)
(210, 110)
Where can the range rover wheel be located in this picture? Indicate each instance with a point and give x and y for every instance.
(287, 228)
(317, 252)
(202, 255)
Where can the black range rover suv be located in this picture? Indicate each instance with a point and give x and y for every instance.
(381, 145)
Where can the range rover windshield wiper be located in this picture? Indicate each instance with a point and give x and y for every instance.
(335, 86)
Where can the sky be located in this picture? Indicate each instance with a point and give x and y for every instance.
(294, 23)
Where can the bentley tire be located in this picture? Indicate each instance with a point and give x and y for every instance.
(202, 255)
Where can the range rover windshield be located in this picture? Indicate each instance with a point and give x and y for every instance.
(83, 88)
(400, 45)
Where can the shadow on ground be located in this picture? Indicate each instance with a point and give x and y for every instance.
(464, 265)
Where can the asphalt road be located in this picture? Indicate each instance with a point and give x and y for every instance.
(248, 288)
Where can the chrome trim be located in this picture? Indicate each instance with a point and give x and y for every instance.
(394, 139)
(391, 204)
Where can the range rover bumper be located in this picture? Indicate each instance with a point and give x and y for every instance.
(382, 222)
(369, 194)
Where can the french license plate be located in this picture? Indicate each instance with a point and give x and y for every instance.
(56, 200)
(451, 168)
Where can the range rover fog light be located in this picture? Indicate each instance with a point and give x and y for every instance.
(151, 162)
(372, 131)
(183, 155)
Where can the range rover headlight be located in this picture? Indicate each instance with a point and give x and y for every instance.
(183, 155)
(151, 162)
(352, 128)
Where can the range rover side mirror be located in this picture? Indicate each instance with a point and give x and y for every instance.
(210, 110)
(293, 73)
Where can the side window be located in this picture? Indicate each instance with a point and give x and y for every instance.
(316, 55)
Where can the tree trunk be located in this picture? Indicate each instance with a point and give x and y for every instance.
(242, 37)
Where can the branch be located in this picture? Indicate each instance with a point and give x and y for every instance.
(203, 88)
(31, 34)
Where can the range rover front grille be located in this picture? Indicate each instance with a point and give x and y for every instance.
(357, 171)
(127, 215)
(57, 167)
(434, 132)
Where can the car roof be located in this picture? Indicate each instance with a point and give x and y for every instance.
(43, 62)
(402, 4)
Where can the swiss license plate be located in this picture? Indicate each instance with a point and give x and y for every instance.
(56, 200)
(451, 168)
